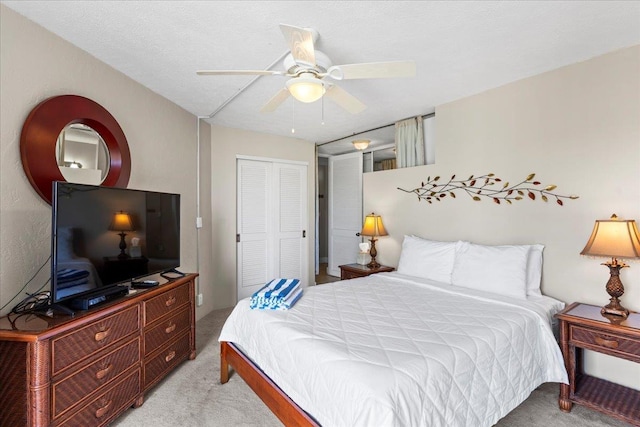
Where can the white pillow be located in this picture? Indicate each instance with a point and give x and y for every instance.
(427, 259)
(534, 269)
(498, 269)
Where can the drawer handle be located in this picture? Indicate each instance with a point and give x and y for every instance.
(606, 343)
(170, 356)
(170, 328)
(170, 301)
(101, 412)
(103, 372)
(102, 335)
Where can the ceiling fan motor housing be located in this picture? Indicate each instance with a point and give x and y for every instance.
(322, 64)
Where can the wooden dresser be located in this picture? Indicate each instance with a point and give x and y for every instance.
(88, 369)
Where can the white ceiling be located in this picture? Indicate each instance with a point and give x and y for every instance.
(460, 48)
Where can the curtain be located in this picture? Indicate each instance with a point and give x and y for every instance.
(388, 164)
(410, 142)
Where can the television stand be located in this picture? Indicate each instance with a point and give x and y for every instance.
(88, 369)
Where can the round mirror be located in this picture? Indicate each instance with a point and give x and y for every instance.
(43, 145)
(82, 155)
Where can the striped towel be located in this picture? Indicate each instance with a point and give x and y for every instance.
(277, 294)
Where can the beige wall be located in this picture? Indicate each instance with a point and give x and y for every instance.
(36, 65)
(577, 127)
(226, 144)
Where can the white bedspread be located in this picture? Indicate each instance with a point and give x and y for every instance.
(391, 350)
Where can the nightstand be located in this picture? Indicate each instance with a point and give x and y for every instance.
(583, 327)
(351, 271)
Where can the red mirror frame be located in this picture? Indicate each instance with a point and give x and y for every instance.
(42, 128)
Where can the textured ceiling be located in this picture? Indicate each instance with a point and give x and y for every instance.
(460, 48)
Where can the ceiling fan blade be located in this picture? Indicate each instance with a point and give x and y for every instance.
(344, 99)
(239, 73)
(275, 101)
(373, 70)
(300, 42)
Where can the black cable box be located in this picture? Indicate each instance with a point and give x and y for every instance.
(100, 295)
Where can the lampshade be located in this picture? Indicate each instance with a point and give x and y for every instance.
(361, 144)
(615, 238)
(306, 87)
(373, 226)
(121, 222)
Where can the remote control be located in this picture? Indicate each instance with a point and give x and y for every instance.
(145, 283)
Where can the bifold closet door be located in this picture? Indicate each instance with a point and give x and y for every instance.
(271, 223)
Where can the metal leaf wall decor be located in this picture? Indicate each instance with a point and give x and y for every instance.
(487, 186)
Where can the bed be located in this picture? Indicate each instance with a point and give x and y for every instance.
(397, 349)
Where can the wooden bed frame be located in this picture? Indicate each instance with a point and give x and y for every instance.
(280, 404)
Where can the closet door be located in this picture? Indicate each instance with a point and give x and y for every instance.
(271, 223)
(254, 226)
(291, 219)
(345, 210)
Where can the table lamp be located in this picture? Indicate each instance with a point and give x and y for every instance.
(121, 222)
(614, 238)
(373, 227)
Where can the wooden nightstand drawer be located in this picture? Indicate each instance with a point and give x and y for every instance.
(79, 344)
(628, 348)
(159, 306)
(72, 389)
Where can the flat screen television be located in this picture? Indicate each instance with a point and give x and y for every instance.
(105, 236)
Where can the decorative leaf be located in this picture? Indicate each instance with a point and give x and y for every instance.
(543, 197)
(559, 202)
(472, 183)
(520, 192)
(452, 194)
(443, 195)
(491, 174)
(536, 182)
(506, 184)
(518, 198)
(495, 199)
(509, 201)
(573, 197)
(509, 192)
(497, 180)
(476, 198)
(436, 178)
(453, 177)
(530, 176)
(531, 195)
(470, 178)
(550, 187)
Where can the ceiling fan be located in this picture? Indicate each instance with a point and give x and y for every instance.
(312, 75)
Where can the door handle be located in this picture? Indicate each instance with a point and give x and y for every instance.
(358, 234)
(304, 233)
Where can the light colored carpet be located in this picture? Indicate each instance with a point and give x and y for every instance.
(193, 396)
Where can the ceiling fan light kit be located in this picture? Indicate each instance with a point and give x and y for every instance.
(308, 68)
(306, 88)
(361, 144)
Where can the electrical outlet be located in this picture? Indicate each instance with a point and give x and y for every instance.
(199, 303)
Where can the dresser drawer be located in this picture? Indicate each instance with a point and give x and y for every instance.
(75, 346)
(626, 347)
(168, 357)
(156, 307)
(101, 410)
(74, 388)
(167, 330)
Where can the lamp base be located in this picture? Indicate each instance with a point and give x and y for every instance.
(614, 308)
(373, 252)
(615, 289)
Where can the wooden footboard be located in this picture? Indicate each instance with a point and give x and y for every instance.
(280, 404)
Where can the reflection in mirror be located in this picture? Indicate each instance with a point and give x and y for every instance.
(82, 155)
(380, 153)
